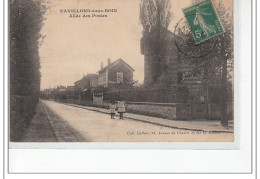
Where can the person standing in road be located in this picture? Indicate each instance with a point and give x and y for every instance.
(112, 109)
(121, 109)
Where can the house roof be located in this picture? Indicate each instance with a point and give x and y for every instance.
(91, 76)
(114, 63)
(88, 76)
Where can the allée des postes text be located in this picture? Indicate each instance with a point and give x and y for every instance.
(87, 13)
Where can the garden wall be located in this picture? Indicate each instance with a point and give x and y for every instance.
(172, 111)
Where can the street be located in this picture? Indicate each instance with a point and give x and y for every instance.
(72, 124)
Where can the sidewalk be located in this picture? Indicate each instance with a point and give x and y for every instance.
(46, 126)
(206, 126)
(40, 129)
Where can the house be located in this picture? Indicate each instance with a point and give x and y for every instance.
(89, 81)
(70, 92)
(85, 86)
(115, 73)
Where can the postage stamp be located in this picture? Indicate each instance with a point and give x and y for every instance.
(203, 21)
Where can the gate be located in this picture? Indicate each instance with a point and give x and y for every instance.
(98, 98)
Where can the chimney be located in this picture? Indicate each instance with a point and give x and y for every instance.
(101, 66)
(108, 61)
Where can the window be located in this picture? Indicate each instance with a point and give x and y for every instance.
(102, 78)
(119, 77)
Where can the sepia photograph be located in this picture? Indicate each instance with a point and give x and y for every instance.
(121, 71)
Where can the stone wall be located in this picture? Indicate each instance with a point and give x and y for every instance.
(172, 111)
(153, 109)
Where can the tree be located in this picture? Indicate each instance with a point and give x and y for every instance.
(212, 56)
(155, 15)
(26, 20)
(224, 50)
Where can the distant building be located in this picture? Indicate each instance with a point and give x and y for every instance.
(70, 92)
(87, 82)
(61, 88)
(70, 88)
(116, 72)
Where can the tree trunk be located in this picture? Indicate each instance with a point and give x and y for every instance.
(206, 77)
(224, 119)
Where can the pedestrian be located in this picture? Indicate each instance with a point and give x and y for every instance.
(112, 109)
(121, 109)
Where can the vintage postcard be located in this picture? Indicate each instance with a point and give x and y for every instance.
(121, 71)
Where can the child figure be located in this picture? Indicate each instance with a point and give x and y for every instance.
(112, 109)
(121, 108)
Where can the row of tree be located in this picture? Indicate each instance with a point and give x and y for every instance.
(26, 20)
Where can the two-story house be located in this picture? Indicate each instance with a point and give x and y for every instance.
(116, 72)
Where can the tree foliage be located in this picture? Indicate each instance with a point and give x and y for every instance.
(155, 15)
(26, 20)
(210, 55)
(218, 59)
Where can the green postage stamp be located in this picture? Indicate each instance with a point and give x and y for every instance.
(203, 21)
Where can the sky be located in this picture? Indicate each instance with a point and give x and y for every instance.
(73, 47)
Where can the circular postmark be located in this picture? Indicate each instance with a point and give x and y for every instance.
(186, 44)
